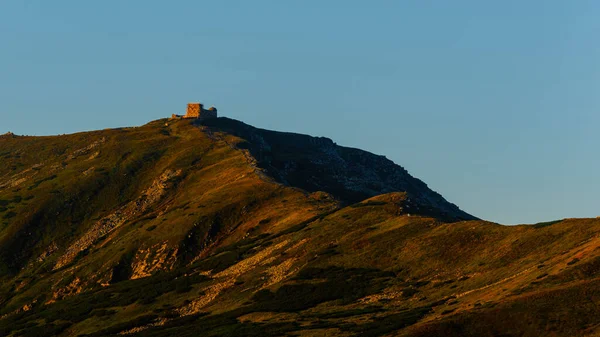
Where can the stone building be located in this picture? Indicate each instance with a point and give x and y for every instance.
(196, 110)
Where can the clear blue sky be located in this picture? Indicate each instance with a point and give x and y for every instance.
(493, 104)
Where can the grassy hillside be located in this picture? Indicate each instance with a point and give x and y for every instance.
(179, 229)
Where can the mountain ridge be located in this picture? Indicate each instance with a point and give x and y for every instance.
(181, 227)
(314, 159)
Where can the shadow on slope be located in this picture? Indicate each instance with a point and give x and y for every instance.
(318, 164)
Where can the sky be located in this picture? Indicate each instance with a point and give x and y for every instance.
(495, 105)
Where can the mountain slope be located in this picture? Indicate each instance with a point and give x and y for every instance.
(177, 228)
(318, 164)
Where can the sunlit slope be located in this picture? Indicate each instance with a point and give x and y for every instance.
(221, 229)
(117, 204)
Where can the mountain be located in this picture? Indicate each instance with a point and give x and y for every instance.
(318, 164)
(181, 227)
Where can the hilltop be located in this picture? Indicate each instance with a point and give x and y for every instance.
(181, 226)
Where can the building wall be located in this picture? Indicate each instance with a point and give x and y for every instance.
(194, 110)
(208, 114)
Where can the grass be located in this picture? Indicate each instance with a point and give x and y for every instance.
(361, 270)
(546, 224)
(40, 181)
(333, 283)
(386, 324)
(99, 302)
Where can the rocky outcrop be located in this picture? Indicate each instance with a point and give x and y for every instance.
(86, 150)
(152, 259)
(116, 219)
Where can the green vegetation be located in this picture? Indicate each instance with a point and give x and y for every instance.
(546, 224)
(39, 181)
(335, 283)
(99, 302)
(175, 229)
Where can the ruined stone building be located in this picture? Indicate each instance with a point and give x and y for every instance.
(196, 110)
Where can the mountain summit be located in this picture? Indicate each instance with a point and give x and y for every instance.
(210, 226)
